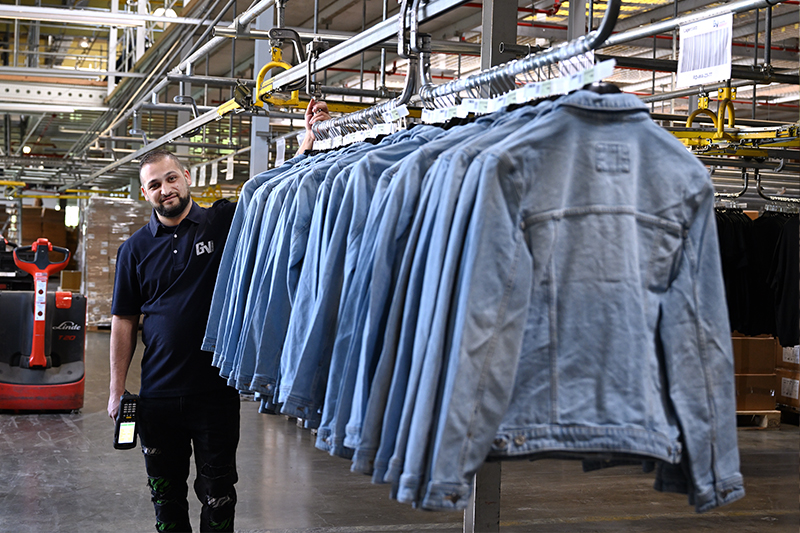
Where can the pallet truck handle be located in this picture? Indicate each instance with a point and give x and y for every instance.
(40, 268)
(41, 261)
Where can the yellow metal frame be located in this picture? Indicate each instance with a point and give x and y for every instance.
(726, 96)
(266, 87)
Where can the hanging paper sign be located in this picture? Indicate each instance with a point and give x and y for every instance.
(201, 180)
(280, 155)
(229, 168)
(214, 170)
(705, 51)
(193, 173)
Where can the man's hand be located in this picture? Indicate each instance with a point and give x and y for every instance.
(113, 405)
(315, 112)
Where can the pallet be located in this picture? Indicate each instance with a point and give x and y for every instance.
(758, 419)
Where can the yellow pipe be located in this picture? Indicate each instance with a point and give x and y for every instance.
(9, 183)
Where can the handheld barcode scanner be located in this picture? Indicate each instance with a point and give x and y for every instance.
(126, 428)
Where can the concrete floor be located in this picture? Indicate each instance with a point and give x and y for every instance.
(59, 473)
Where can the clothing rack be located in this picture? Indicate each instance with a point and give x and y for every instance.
(483, 511)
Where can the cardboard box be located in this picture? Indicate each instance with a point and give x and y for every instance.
(789, 358)
(788, 387)
(755, 392)
(70, 280)
(754, 355)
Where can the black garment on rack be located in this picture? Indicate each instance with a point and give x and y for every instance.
(734, 230)
(766, 232)
(785, 282)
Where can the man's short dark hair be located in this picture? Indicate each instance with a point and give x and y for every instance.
(154, 156)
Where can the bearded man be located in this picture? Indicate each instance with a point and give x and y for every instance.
(166, 272)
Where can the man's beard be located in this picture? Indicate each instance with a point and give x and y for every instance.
(172, 212)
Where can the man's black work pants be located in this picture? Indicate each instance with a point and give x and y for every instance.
(169, 428)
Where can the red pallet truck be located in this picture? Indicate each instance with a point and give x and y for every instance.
(43, 332)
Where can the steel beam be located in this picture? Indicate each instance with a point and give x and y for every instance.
(362, 41)
(668, 25)
(738, 72)
(86, 16)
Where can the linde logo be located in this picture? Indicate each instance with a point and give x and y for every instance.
(204, 248)
(70, 326)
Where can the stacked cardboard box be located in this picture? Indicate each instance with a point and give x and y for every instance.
(107, 223)
(42, 222)
(787, 368)
(754, 366)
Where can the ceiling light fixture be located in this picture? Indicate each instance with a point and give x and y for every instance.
(84, 42)
(26, 149)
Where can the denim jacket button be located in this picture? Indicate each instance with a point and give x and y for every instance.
(500, 443)
(522, 225)
(519, 440)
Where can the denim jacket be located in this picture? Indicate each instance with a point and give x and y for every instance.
(590, 317)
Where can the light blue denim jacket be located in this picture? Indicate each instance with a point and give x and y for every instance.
(591, 318)
(226, 262)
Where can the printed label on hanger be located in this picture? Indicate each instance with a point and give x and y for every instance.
(705, 51)
(382, 129)
(323, 144)
(396, 113)
(214, 170)
(229, 168)
(201, 180)
(280, 154)
(193, 174)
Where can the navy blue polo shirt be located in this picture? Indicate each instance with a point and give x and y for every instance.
(167, 274)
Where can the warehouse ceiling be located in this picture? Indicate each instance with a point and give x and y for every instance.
(65, 100)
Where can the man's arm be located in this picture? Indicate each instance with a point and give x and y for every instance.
(123, 343)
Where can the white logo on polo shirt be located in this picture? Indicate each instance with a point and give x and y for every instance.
(204, 248)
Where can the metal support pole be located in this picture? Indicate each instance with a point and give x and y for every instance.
(482, 515)
(755, 64)
(141, 32)
(16, 40)
(576, 22)
(112, 52)
(499, 25)
(260, 126)
(316, 31)
(383, 50)
(7, 134)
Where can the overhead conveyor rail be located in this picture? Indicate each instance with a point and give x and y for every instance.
(384, 32)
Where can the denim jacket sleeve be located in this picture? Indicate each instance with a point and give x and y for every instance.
(491, 313)
(696, 341)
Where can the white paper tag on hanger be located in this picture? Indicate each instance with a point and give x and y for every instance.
(532, 91)
(383, 129)
(280, 154)
(214, 171)
(229, 168)
(201, 180)
(603, 70)
(396, 114)
(322, 144)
